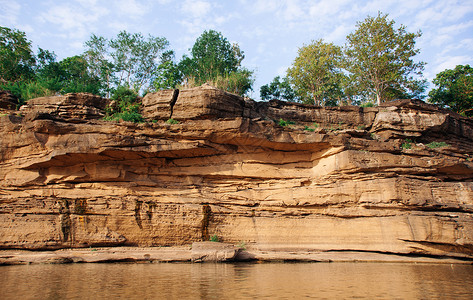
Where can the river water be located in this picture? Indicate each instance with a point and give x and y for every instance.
(237, 281)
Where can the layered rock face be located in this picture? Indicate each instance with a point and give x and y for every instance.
(394, 179)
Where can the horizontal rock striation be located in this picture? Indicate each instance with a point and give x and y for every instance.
(395, 179)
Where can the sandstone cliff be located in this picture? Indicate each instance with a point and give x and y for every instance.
(395, 179)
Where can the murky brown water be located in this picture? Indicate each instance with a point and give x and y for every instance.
(237, 281)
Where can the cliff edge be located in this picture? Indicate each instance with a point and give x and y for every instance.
(275, 176)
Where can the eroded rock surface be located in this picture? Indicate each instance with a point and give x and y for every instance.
(367, 180)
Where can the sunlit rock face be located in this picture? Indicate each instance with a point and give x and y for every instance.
(346, 178)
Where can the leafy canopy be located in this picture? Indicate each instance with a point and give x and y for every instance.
(316, 72)
(128, 60)
(379, 58)
(17, 60)
(279, 89)
(454, 89)
(215, 61)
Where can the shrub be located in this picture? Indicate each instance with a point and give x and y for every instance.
(214, 238)
(434, 145)
(407, 144)
(127, 108)
(285, 123)
(367, 104)
(172, 121)
(306, 128)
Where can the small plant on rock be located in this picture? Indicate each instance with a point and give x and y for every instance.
(407, 144)
(172, 121)
(285, 123)
(306, 128)
(214, 238)
(242, 245)
(127, 107)
(434, 145)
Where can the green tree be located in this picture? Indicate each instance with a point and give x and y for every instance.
(454, 89)
(17, 60)
(278, 89)
(128, 60)
(212, 55)
(214, 60)
(97, 55)
(316, 72)
(380, 59)
(135, 58)
(77, 78)
(167, 74)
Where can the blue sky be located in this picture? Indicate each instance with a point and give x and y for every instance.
(269, 32)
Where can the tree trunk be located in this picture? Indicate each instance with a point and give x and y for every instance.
(378, 99)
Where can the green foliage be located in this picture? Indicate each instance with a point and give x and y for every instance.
(239, 82)
(278, 89)
(407, 144)
(307, 128)
(215, 61)
(454, 89)
(17, 60)
(127, 108)
(284, 123)
(25, 90)
(434, 145)
(242, 245)
(214, 238)
(367, 104)
(212, 55)
(316, 73)
(379, 59)
(134, 59)
(167, 75)
(172, 121)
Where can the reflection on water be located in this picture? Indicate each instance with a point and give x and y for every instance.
(237, 281)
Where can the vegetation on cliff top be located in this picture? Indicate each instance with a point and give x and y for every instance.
(376, 65)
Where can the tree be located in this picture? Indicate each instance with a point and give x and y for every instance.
(167, 75)
(316, 72)
(128, 60)
(77, 78)
(17, 60)
(214, 60)
(97, 55)
(278, 89)
(135, 58)
(380, 59)
(211, 55)
(454, 89)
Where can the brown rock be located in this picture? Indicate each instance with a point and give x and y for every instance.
(213, 252)
(207, 102)
(72, 107)
(228, 169)
(159, 105)
(7, 101)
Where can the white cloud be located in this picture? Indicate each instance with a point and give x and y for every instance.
(132, 8)
(449, 62)
(327, 8)
(196, 9)
(293, 10)
(76, 21)
(9, 12)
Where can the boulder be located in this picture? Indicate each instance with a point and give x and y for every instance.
(213, 252)
(72, 107)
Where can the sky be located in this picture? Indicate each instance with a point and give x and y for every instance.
(270, 32)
